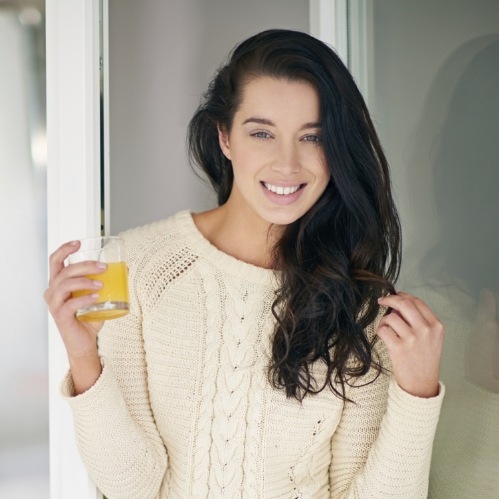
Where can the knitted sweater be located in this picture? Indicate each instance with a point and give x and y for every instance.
(183, 407)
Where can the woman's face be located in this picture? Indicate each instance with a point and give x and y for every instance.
(276, 151)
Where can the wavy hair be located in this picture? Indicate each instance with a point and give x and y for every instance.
(344, 253)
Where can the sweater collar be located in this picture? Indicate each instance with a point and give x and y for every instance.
(220, 259)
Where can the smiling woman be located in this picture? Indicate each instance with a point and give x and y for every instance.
(259, 319)
(278, 165)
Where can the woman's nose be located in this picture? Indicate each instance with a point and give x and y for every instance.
(286, 161)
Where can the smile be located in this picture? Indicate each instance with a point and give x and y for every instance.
(282, 191)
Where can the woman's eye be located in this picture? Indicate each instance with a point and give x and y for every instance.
(312, 138)
(261, 135)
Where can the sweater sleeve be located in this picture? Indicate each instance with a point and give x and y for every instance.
(114, 424)
(382, 446)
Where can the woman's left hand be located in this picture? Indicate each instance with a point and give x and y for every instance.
(414, 337)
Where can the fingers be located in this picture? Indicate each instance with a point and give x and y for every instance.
(63, 305)
(56, 260)
(413, 336)
(57, 296)
(388, 335)
(410, 315)
(414, 311)
(73, 278)
(65, 316)
(65, 280)
(89, 267)
(396, 323)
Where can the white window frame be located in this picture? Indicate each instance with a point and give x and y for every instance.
(346, 25)
(360, 45)
(73, 193)
(329, 22)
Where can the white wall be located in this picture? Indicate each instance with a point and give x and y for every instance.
(162, 57)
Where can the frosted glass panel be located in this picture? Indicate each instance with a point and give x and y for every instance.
(24, 458)
(434, 94)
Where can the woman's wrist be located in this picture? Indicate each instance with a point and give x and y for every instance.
(85, 371)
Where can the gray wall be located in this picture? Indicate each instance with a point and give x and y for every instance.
(162, 57)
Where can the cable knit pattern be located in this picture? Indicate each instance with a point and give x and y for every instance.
(183, 407)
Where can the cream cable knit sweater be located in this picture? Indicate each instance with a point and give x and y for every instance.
(183, 408)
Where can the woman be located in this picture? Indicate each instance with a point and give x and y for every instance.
(248, 365)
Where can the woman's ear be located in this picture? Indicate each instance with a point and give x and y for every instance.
(223, 140)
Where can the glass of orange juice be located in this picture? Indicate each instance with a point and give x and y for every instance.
(113, 301)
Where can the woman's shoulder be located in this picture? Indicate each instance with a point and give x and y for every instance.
(162, 235)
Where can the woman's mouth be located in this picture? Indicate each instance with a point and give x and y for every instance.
(280, 194)
(281, 190)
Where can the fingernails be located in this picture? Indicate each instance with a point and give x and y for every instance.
(74, 243)
(95, 295)
(101, 265)
(97, 284)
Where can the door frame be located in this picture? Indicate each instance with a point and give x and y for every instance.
(73, 196)
(346, 25)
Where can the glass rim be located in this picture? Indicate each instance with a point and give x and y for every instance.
(99, 248)
(98, 238)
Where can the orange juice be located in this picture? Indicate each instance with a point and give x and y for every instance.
(113, 296)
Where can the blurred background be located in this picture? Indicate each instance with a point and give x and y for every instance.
(434, 97)
(24, 450)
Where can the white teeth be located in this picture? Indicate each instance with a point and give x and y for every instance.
(281, 190)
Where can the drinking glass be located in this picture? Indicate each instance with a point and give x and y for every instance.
(113, 301)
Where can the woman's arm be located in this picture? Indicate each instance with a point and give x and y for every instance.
(115, 428)
(382, 446)
(116, 433)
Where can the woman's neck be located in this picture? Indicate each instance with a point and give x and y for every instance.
(246, 238)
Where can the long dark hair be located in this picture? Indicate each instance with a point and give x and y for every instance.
(338, 258)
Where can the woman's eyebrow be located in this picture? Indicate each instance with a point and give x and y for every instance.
(314, 124)
(260, 121)
(265, 121)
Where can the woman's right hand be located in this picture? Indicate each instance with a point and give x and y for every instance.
(80, 338)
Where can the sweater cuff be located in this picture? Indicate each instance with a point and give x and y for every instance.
(403, 395)
(95, 410)
(67, 385)
(439, 397)
(415, 414)
(67, 389)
